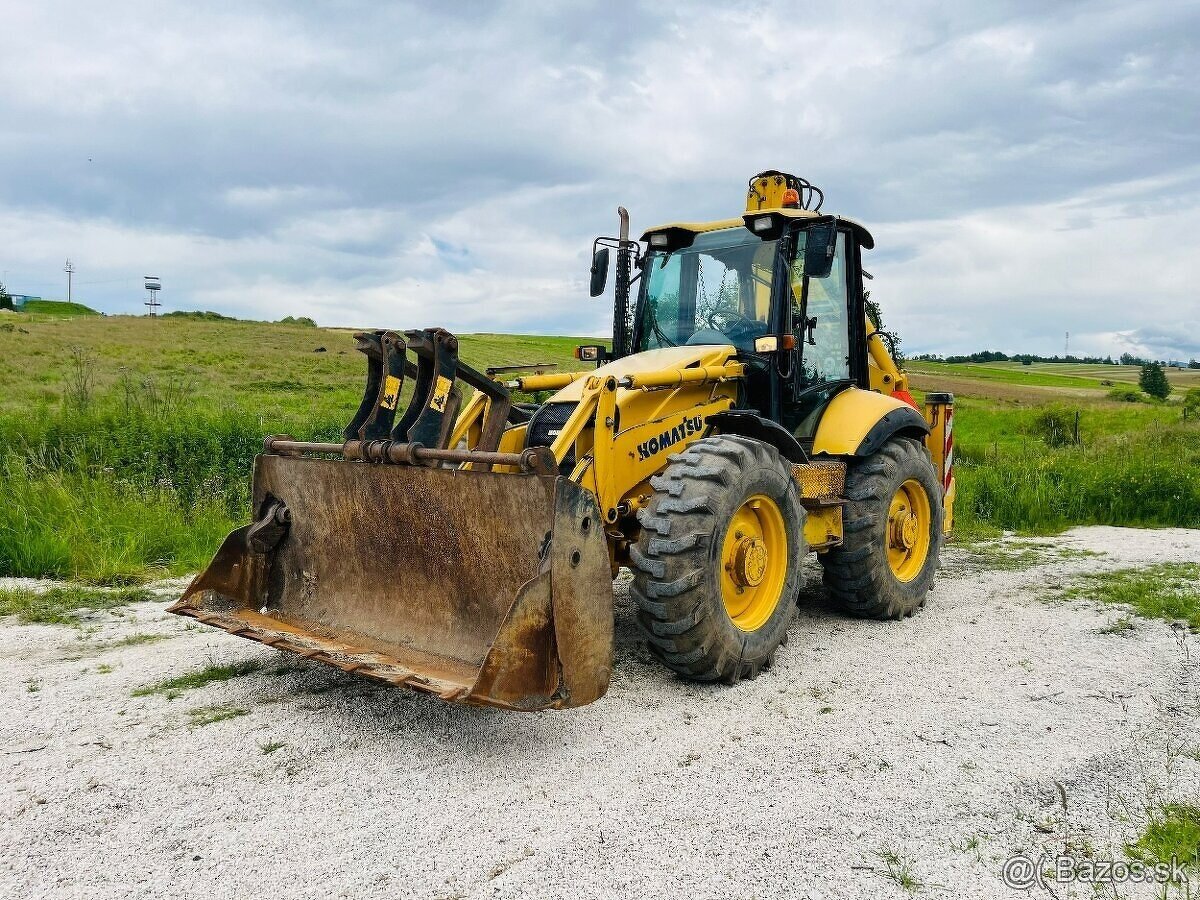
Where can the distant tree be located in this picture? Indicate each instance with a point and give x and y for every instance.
(1153, 381)
(6, 300)
(875, 314)
(1194, 364)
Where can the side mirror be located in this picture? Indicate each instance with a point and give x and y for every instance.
(819, 248)
(599, 271)
(596, 353)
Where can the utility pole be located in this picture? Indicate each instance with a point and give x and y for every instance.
(70, 270)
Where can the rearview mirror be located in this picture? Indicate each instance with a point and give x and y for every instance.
(599, 271)
(819, 249)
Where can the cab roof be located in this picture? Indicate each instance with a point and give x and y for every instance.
(860, 231)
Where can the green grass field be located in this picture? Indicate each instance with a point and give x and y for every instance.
(277, 371)
(1063, 375)
(126, 443)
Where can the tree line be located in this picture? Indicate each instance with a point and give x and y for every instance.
(986, 356)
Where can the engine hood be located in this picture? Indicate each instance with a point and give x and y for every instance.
(652, 361)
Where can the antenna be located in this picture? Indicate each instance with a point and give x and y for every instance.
(153, 285)
(70, 270)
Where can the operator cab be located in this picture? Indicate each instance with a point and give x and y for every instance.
(782, 286)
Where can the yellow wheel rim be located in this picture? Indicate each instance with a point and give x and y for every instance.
(754, 562)
(908, 526)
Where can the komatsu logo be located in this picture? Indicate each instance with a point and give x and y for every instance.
(671, 437)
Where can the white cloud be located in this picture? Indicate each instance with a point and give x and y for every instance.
(1026, 169)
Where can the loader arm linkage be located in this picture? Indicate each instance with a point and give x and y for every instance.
(423, 552)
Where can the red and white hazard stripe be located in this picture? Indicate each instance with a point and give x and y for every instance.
(948, 450)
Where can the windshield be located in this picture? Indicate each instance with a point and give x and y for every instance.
(717, 291)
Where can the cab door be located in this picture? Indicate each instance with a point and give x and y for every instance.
(821, 322)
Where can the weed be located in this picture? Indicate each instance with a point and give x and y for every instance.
(207, 715)
(1057, 425)
(80, 380)
(899, 869)
(64, 605)
(213, 674)
(138, 639)
(104, 669)
(1191, 404)
(1123, 625)
(1172, 832)
(1014, 555)
(967, 845)
(33, 685)
(1168, 591)
(270, 747)
(1126, 394)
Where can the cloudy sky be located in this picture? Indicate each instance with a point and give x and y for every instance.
(1027, 168)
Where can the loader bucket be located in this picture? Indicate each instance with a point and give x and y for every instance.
(482, 588)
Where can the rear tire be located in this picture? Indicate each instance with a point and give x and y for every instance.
(717, 566)
(892, 525)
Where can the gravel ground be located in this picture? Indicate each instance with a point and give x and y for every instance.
(930, 749)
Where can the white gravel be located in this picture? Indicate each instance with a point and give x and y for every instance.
(942, 739)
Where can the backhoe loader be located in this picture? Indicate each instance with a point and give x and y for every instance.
(746, 412)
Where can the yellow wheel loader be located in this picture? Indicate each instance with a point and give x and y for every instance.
(747, 412)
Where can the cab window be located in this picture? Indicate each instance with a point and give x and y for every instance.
(822, 325)
(717, 291)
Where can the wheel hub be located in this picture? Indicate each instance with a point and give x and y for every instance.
(908, 530)
(904, 530)
(749, 562)
(754, 562)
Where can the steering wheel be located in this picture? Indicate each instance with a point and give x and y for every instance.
(734, 321)
(736, 329)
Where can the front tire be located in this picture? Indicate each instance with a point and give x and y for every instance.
(717, 566)
(892, 534)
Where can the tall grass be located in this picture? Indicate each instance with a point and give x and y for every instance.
(96, 528)
(1148, 477)
(114, 484)
(110, 491)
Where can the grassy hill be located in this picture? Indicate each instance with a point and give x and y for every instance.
(278, 371)
(57, 308)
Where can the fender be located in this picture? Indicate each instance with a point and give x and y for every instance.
(858, 422)
(748, 423)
